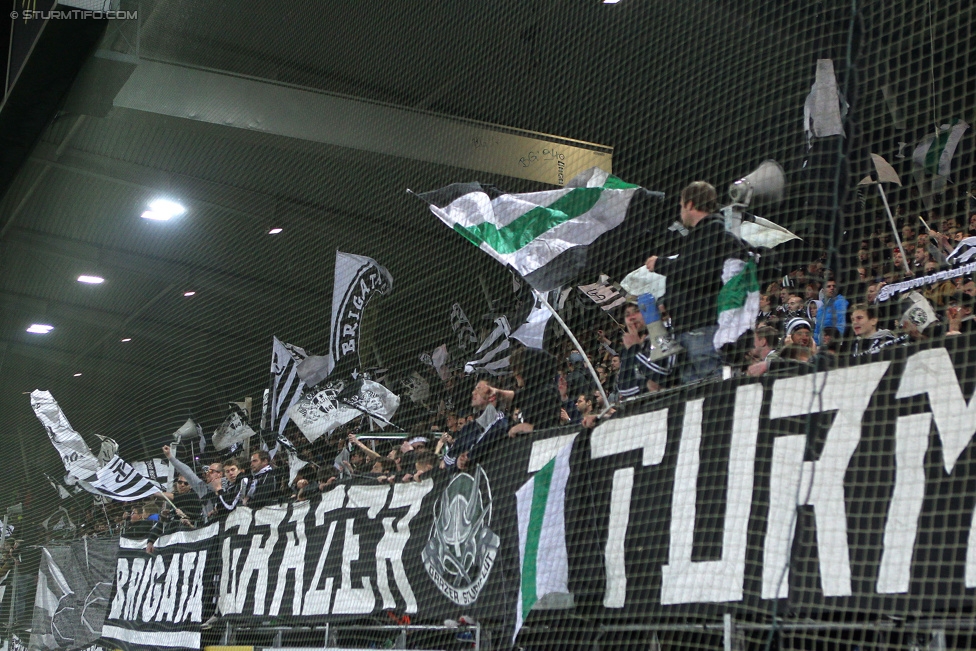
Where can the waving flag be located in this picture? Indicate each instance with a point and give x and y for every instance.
(357, 280)
(541, 507)
(738, 301)
(461, 326)
(542, 235)
(604, 294)
(933, 155)
(77, 457)
(294, 462)
(372, 399)
(320, 412)
(286, 387)
(493, 354)
(120, 481)
(232, 432)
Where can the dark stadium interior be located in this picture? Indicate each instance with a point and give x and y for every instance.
(585, 72)
(679, 91)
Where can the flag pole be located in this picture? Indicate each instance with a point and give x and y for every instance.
(541, 297)
(894, 228)
(107, 520)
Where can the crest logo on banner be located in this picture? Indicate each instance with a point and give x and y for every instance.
(461, 549)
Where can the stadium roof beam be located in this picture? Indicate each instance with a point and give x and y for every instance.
(252, 104)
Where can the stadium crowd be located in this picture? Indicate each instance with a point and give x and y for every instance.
(807, 320)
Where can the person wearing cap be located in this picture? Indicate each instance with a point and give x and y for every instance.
(799, 332)
(479, 434)
(694, 275)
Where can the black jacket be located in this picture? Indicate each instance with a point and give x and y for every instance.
(265, 488)
(695, 275)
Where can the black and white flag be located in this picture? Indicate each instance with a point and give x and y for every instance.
(320, 412)
(286, 386)
(159, 471)
(372, 399)
(63, 492)
(467, 338)
(157, 601)
(604, 294)
(493, 355)
(357, 279)
(77, 457)
(107, 449)
(74, 580)
(120, 481)
(294, 462)
(964, 252)
(233, 432)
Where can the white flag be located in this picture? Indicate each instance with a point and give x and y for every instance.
(318, 413)
(532, 332)
(604, 294)
(233, 431)
(541, 506)
(493, 355)
(120, 481)
(357, 279)
(374, 400)
(286, 387)
(108, 449)
(75, 454)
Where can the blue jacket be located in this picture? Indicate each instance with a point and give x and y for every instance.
(832, 314)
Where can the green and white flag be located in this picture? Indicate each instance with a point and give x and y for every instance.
(541, 504)
(933, 154)
(738, 301)
(530, 231)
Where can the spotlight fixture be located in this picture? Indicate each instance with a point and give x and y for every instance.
(275, 231)
(40, 328)
(162, 210)
(188, 294)
(91, 280)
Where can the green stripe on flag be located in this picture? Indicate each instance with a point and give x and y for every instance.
(532, 224)
(733, 293)
(934, 154)
(540, 497)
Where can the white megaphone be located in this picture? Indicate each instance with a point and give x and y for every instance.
(766, 183)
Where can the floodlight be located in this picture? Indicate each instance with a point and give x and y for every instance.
(162, 210)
